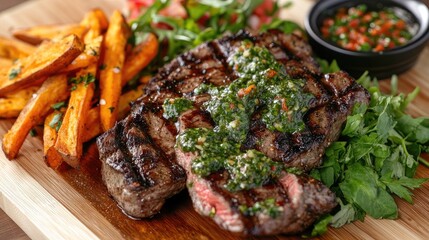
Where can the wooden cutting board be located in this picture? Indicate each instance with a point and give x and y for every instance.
(74, 204)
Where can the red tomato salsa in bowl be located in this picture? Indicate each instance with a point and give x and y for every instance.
(382, 37)
(359, 28)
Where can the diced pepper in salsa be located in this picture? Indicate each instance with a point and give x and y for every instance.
(360, 29)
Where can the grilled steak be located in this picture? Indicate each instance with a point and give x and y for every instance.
(298, 200)
(141, 166)
(138, 163)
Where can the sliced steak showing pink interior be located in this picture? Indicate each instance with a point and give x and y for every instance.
(141, 167)
(292, 202)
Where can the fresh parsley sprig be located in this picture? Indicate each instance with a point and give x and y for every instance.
(375, 158)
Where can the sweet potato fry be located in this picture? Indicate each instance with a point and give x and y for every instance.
(10, 108)
(140, 57)
(14, 49)
(96, 22)
(127, 98)
(48, 59)
(52, 158)
(36, 35)
(89, 56)
(5, 63)
(93, 23)
(12, 104)
(53, 90)
(111, 76)
(69, 143)
(92, 125)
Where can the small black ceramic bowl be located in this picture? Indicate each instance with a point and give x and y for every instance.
(379, 64)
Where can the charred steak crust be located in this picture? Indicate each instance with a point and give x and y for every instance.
(141, 167)
(299, 200)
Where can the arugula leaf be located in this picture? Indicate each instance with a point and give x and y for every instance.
(180, 34)
(285, 26)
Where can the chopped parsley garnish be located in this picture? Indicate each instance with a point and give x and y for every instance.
(14, 72)
(93, 52)
(56, 121)
(375, 158)
(268, 206)
(85, 79)
(262, 84)
(33, 132)
(58, 105)
(174, 107)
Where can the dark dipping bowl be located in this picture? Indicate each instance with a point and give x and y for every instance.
(379, 64)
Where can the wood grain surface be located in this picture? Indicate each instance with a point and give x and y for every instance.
(74, 204)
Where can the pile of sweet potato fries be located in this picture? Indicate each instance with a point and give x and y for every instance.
(70, 79)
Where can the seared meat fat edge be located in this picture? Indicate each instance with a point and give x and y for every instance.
(252, 110)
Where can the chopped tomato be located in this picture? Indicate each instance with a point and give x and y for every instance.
(367, 18)
(351, 46)
(359, 29)
(354, 23)
(379, 48)
(341, 30)
(400, 24)
(284, 105)
(328, 22)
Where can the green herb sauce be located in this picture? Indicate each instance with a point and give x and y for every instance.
(267, 206)
(262, 85)
(174, 107)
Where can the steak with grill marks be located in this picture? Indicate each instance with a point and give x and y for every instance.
(299, 200)
(141, 167)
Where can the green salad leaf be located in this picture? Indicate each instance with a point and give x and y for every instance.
(181, 34)
(376, 156)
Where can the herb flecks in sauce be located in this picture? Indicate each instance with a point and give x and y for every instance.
(174, 107)
(251, 169)
(262, 85)
(267, 206)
